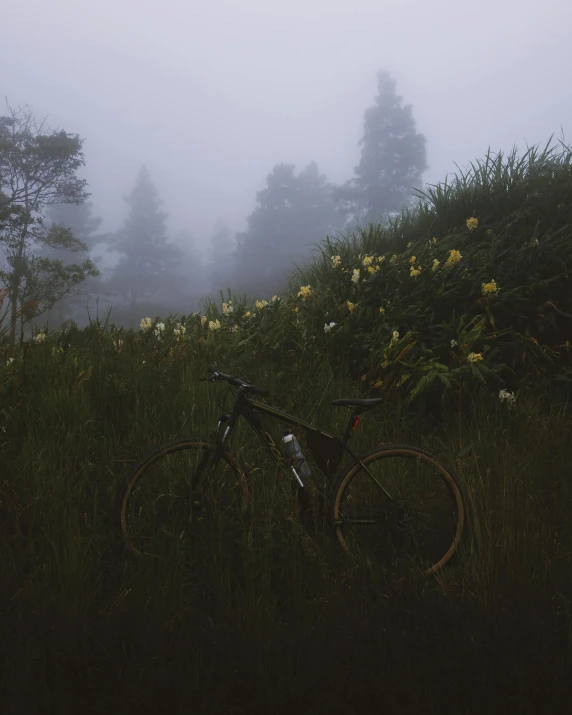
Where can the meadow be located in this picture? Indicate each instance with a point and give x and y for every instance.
(472, 355)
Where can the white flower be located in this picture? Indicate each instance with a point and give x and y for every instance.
(395, 337)
(355, 275)
(505, 395)
(159, 328)
(327, 327)
(118, 344)
(275, 298)
(453, 343)
(40, 337)
(9, 361)
(227, 308)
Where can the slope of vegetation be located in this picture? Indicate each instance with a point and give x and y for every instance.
(260, 615)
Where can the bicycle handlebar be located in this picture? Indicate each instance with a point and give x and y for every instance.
(217, 375)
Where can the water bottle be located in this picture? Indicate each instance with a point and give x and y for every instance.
(294, 453)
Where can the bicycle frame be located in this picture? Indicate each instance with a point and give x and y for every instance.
(249, 408)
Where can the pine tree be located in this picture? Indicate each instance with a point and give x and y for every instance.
(149, 268)
(393, 159)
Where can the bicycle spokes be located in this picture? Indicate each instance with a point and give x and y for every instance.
(178, 494)
(416, 525)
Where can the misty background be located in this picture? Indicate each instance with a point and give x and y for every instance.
(189, 111)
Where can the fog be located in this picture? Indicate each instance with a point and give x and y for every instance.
(211, 96)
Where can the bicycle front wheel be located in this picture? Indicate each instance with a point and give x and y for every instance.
(174, 490)
(406, 510)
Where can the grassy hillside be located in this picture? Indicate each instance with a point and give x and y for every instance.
(259, 614)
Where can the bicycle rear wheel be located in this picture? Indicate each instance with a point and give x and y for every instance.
(421, 525)
(173, 490)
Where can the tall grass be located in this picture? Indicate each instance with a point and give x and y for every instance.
(263, 615)
(259, 613)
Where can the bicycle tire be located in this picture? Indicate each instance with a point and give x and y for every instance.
(136, 476)
(341, 485)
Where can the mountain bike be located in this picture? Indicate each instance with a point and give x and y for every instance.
(394, 502)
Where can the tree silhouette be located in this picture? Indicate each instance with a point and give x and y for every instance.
(393, 159)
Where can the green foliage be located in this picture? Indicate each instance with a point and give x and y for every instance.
(470, 287)
(37, 169)
(249, 595)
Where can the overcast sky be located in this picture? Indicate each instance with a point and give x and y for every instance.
(211, 95)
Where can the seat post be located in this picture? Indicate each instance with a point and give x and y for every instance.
(355, 413)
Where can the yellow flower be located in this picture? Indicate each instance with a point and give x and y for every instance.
(408, 244)
(203, 319)
(412, 259)
(355, 276)
(296, 309)
(432, 241)
(367, 261)
(395, 337)
(380, 259)
(179, 331)
(382, 309)
(472, 223)
(413, 272)
(214, 324)
(351, 306)
(393, 257)
(435, 264)
(227, 308)
(489, 232)
(261, 304)
(304, 292)
(489, 287)
(247, 314)
(474, 357)
(146, 323)
(275, 298)
(373, 269)
(336, 260)
(454, 257)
